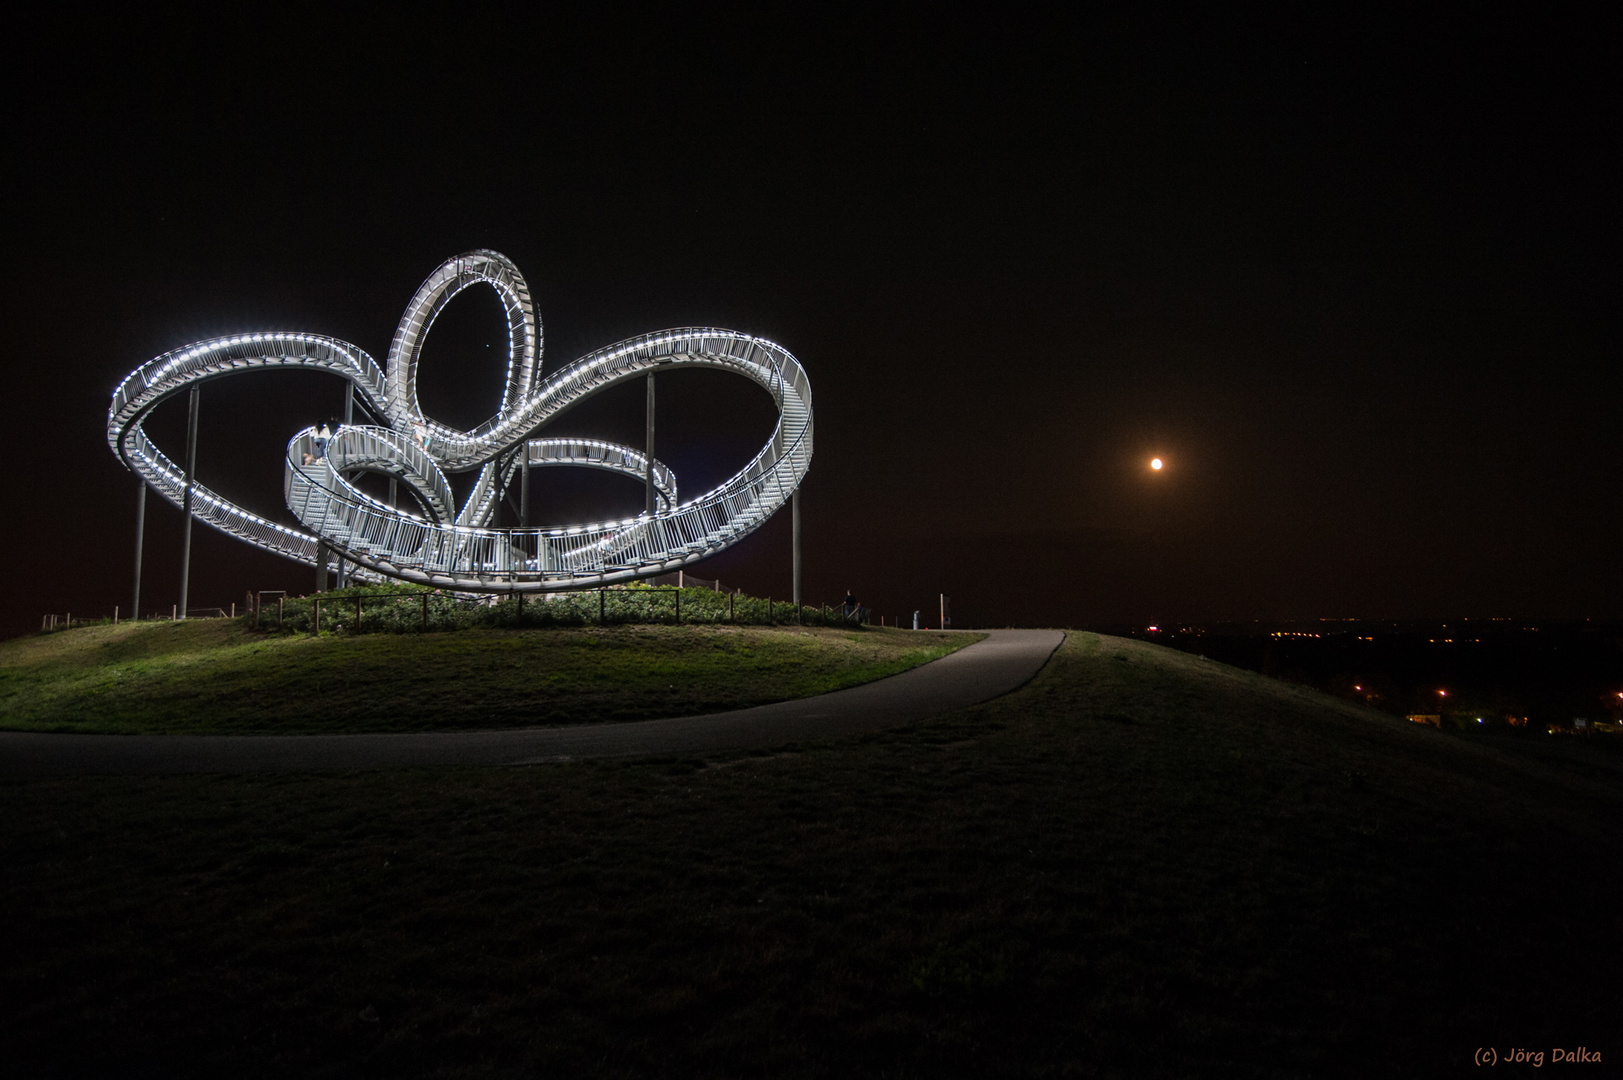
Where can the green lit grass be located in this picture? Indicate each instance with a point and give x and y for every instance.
(1141, 864)
(219, 676)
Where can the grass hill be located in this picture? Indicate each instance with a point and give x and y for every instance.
(214, 676)
(1141, 864)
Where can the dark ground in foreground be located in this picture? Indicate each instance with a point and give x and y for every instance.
(1142, 864)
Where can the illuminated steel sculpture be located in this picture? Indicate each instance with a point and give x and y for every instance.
(435, 543)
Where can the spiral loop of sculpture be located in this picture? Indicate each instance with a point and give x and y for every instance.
(435, 543)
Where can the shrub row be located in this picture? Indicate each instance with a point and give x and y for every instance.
(398, 609)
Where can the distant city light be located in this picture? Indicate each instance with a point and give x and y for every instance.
(1153, 629)
(1155, 463)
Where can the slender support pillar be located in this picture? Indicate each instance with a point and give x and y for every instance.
(344, 568)
(524, 490)
(186, 501)
(321, 566)
(349, 418)
(140, 535)
(794, 513)
(648, 494)
(394, 492)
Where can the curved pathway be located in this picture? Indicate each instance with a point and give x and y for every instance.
(1004, 662)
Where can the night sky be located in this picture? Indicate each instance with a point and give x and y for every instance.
(1356, 283)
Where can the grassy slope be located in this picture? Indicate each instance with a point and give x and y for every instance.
(210, 676)
(1141, 864)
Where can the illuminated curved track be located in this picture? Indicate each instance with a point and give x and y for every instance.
(435, 543)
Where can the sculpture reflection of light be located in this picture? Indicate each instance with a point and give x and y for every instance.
(459, 549)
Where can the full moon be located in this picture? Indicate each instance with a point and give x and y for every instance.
(1155, 463)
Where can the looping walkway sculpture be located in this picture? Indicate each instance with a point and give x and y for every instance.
(439, 545)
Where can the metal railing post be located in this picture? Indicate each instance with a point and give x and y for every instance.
(186, 501)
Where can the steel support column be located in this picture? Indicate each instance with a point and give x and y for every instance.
(140, 534)
(349, 419)
(186, 500)
(648, 476)
(344, 569)
(524, 490)
(794, 513)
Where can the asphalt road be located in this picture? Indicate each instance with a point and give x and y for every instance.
(1004, 662)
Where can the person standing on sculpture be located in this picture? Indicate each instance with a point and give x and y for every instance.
(323, 436)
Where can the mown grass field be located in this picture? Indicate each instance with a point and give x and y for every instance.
(1141, 864)
(219, 676)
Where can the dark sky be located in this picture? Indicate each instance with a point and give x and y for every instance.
(1354, 280)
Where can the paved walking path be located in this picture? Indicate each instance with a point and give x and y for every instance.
(1005, 661)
